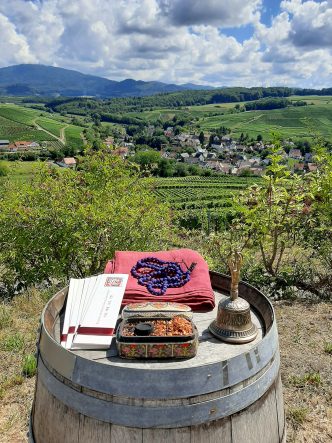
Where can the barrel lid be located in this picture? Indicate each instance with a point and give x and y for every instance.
(216, 364)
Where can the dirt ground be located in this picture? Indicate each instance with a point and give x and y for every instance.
(305, 337)
(305, 334)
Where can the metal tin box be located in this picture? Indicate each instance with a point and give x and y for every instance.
(155, 347)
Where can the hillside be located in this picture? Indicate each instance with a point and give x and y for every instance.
(27, 80)
(23, 123)
(291, 121)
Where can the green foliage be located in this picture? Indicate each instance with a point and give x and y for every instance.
(50, 125)
(201, 137)
(267, 103)
(29, 366)
(271, 214)
(69, 223)
(149, 158)
(73, 138)
(246, 173)
(3, 169)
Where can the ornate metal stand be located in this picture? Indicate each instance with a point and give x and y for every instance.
(233, 323)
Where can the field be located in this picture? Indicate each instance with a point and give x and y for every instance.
(72, 136)
(50, 126)
(202, 202)
(12, 130)
(195, 111)
(294, 122)
(301, 122)
(23, 123)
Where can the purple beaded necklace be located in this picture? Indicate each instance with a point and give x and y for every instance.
(159, 275)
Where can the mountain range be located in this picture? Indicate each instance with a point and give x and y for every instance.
(33, 79)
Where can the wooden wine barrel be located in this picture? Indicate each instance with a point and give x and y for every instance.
(227, 393)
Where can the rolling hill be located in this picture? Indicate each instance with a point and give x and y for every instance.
(27, 80)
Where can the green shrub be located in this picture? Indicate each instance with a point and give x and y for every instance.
(67, 223)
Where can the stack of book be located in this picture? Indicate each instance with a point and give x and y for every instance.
(92, 309)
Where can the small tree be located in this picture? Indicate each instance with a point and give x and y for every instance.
(283, 226)
(271, 214)
(201, 137)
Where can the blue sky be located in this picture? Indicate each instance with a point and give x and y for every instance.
(217, 42)
(270, 9)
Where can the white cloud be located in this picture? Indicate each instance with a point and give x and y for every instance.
(14, 47)
(172, 40)
(311, 25)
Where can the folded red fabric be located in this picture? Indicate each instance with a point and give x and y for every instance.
(197, 293)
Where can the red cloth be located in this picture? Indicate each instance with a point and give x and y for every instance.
(197, 293)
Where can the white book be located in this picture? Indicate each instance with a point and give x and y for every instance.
(88, 291)
(74, 313)
(98, 321)
(67, 327)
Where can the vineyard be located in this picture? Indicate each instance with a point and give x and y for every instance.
(299, 122)
(73, 136)
(202, 202)
(14, 131)
(20, 123)
(50, 125)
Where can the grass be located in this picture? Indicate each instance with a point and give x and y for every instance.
(50, 125)
(311, 378)
(29, 366)
(13, 131)
(297, 415)
(19, 114)
(328, 348)
(289, 122)
(21, 317)
(73, 136)
(5, 316)
(12, 343)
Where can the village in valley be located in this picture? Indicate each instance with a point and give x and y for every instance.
(220, 154)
